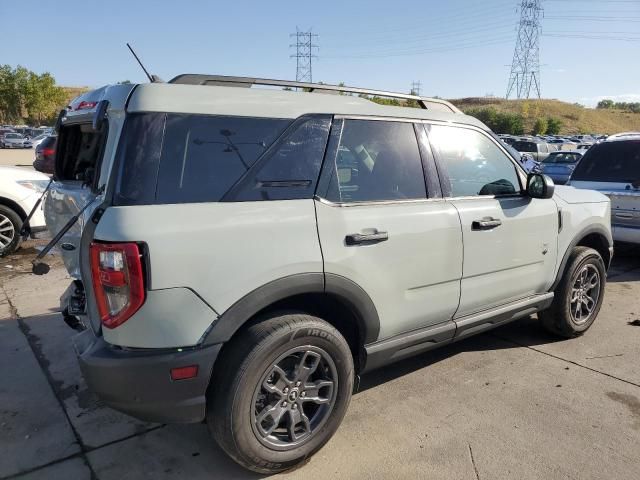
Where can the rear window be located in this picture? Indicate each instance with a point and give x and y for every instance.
(525, 147)
(79, 151)
(610, 162)
(48, 142)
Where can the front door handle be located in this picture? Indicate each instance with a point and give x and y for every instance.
(486, 223)
(366, 238)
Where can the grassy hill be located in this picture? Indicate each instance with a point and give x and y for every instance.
(73, 92)
(575, 118)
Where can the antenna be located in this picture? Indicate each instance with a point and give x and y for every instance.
(151, 78)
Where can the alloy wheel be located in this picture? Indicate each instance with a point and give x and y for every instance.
(7, 232)
(294, 398)
(585, 294)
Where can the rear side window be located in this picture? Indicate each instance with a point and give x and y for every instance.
(377, 160)
(528, 147)
(610, 162)
(291, 168)
(79, 151)
(204, 156)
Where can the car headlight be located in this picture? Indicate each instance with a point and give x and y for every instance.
(35, 185)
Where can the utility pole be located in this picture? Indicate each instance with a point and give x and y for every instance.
(305, 48)
(415, 88)
(524, 79)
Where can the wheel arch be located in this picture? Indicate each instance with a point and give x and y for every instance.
(594, 236)
(13, 206)
(334, 298)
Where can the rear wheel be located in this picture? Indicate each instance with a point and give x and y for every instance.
(579, 295)
(281, 391)
(10, 225)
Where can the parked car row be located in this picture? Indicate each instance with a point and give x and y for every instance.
(22, 137)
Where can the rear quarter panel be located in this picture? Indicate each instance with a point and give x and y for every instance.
(219, 251)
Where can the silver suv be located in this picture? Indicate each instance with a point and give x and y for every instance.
(243, 255)
(613, 168)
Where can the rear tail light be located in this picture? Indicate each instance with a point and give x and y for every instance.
(116, 269)
(47, 151)
(86, 105)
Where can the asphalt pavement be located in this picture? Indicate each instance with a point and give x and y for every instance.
(513, 403)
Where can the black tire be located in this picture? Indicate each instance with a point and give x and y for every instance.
(237, 394)
(560, 319)
(7, 215)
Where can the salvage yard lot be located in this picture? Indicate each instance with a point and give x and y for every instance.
(513, 403)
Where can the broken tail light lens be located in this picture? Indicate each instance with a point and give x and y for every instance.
(118, 281)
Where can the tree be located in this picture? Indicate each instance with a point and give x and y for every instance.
(27, 95)
(605, 104)
(554, 125)
(499, 122)
(540, 127)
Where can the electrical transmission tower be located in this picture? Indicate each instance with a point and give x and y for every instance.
(415, 88)
(525, 68)
(305, 49)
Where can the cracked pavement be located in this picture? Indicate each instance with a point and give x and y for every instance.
(512, 403)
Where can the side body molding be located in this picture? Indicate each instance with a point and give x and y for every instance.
(340, 288)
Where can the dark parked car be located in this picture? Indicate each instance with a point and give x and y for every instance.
(45, 154)
(560, 165)
(537, 149)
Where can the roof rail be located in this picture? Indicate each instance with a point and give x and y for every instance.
(229, 81)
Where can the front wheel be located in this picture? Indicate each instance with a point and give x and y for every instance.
(10, 225)
(578, 296)
(280, 392)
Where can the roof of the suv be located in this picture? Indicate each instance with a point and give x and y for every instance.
(261, 102)
(622, 136)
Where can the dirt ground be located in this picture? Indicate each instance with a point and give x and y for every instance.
(17, 157)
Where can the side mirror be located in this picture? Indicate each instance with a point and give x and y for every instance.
(540, 186)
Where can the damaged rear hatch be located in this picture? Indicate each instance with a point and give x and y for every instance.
(84, 156)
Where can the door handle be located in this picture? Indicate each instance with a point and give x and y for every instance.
(366, 238)
(486, 223)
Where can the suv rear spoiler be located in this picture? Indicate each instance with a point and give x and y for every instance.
(247, 82)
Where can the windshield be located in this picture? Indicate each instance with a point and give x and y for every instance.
(610, 162)
(562, 158)
(13, 135)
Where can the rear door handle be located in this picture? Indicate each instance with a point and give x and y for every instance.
(486, 223)
(366, 238)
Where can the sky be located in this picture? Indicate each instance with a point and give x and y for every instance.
(589, 49)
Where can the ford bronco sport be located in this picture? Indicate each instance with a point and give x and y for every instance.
(243, 255)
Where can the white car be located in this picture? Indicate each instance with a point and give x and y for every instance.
(20, 189)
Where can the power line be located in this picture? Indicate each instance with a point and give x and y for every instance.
(525, 67)
(415, 87)
(305, 49)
